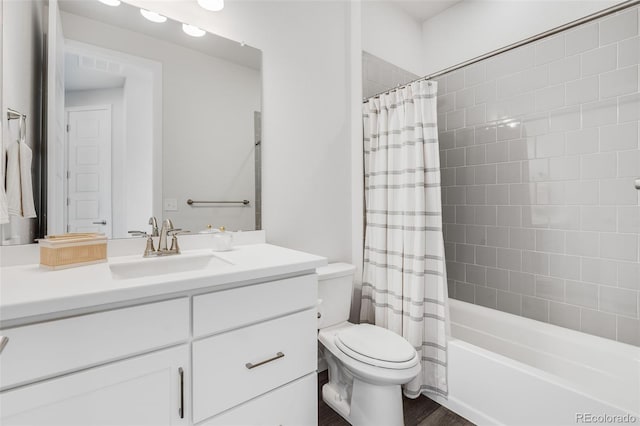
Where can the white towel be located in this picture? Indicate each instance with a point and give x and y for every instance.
(26, 184)
(14, 192)
(4, 207)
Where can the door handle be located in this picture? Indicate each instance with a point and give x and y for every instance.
(637, 183)
(181, 409)
(3, 342)
(102, 222)
(251, 366)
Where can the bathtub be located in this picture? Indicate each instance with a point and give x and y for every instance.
(509, 370)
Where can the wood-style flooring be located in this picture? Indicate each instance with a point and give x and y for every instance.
(421, 411)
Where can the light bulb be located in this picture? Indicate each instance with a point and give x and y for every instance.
(192, 30)
(153, 16)
(213, 5)
(110, 2)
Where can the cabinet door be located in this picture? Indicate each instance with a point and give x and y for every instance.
(146, 390)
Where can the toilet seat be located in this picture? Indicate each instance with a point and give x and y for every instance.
(376, 346)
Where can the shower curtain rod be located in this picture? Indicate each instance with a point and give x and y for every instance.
(572, 24)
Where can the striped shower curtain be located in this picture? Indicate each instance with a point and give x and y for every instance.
(404, 285)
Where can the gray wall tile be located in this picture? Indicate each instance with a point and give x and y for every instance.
(522, 283)
(599, 60)
(539, 150)
(549, 288)
(486, 256)
(581, 39)
(535, 308)
(628, 330)
(620, 82)
(510, 302)
(629, 275)
(599, 271)
(476, 274)
(629, 52)
(564, 315)
(486, 296)
(561, 266)
(509, 259)
(498, 278)
(619, 301)
(498, 236)
(465, 253)
(581, 294)
(619, 27)
(465, 292)
(598, 323)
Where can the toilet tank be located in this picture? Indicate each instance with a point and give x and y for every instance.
(335, 284)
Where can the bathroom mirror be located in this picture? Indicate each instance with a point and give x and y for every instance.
(144, 114)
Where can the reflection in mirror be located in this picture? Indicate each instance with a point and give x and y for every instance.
(142, 117)
(156, 117)
(23, 56)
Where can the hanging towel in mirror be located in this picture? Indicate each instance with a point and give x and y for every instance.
(26, 184)
(14, 192)
(4, 207)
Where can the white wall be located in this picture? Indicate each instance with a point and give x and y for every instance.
(207, 125)
(473, 28)
(306, 144)
(390, 33)
(22, 27)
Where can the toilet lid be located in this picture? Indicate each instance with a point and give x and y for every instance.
(376, 346)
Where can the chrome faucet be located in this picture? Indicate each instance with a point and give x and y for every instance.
(167, 226)
(166, 230)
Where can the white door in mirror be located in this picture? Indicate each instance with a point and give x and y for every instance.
(89, 176)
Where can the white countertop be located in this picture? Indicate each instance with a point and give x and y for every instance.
(29, 290)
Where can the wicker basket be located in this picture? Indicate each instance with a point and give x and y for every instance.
(70, 250)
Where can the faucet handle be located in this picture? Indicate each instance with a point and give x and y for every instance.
(177, 231)
(138, 234)
(154, 226)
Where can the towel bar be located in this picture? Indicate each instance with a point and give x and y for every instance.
(192, 202)
(12, 114)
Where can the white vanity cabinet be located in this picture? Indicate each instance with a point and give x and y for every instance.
(148, 390)
(104, 368)
(242, 355)
(258, 339)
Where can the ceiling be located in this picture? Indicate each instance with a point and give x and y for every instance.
(128, 17)
(421, 10)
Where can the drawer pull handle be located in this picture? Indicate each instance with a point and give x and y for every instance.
(181, 409)
(250, 365)
(3, 342)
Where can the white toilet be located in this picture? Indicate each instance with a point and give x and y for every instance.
(367, 364)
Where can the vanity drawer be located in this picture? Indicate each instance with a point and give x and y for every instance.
(229, 309)
(223, 376)
(55, 347)
(295, 404)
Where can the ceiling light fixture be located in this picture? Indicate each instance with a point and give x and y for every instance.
(212, 5)
(110, 2)
(153, 16)
(192, 30)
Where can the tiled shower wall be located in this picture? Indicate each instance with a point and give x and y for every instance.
(379, 75)
(539, 152)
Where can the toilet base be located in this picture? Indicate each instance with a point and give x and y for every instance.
(376, 405)
(370, 404)
(358, 402)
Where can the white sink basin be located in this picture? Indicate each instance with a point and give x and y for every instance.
(139, 267)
